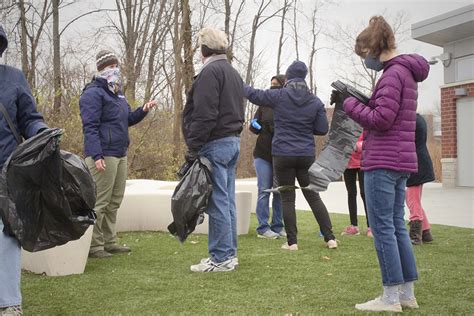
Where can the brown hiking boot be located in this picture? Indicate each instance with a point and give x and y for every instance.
(415, 232)
(426, 236)
(100, 254)
(117, 249)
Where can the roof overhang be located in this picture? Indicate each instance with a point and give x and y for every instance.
(445, 28)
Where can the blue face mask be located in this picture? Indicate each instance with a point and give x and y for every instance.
(373, 63)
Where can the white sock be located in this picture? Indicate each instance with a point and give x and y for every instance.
(391, 294)
(407, 291)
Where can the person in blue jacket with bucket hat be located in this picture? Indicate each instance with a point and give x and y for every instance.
(18, 101)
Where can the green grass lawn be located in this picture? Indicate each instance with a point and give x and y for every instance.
(155, 277)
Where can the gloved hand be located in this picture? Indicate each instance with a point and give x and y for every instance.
(255, 126)
(337, 97)
(191, 156)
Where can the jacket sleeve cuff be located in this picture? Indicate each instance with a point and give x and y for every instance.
(97, 157)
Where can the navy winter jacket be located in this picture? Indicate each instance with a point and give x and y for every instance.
(16, 97)
(298, 115)
(106, 117)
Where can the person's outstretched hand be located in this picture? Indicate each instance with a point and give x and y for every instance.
(149, 105)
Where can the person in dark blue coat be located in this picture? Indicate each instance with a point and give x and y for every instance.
(298, 115)
(106, 117)
(16, 98)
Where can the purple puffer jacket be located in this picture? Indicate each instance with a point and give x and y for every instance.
(389, 120)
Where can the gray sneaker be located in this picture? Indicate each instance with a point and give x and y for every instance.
(269, 234)
(100, 254)
(282, 233)
(11, 311)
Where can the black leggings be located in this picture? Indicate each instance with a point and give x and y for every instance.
(350, 177)
(287, 168)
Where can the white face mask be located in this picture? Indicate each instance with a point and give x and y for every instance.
(112, 75)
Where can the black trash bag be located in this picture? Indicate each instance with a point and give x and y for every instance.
(190, 199)
(47, 196)
(333, 159)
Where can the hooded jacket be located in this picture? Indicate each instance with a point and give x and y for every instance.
(389, 119)
(106, 117)
(16, 97)
(425, 165)
(298, 115)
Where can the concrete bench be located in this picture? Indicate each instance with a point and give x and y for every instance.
(147, 206)
(70, 258)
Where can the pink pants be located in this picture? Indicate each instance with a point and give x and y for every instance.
(417, 213)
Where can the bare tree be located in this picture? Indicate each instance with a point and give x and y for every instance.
(178, 78)
(282, 33)
(295, 29)
(227, 25)
(188, 70)
(314, 35)
(133, 28)
(258, 20)
(56, 57)
(31, 31)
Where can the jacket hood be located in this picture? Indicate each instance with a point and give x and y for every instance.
(298, 91)
(417, 64)
(3, 41)
(96, 82)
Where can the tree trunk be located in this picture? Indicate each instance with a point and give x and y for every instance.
(188, 71)
(177, 89)
(282, 34)
(23, 43)
(56, 57)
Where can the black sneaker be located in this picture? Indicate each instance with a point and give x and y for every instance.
(100, 254)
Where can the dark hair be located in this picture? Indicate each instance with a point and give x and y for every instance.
(375, 38)
(280, 79)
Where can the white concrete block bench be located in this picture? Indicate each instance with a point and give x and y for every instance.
(147, 206)
(70, 258)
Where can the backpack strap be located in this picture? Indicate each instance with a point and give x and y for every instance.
(10, 123)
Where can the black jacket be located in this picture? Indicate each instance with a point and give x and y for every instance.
(425, 165)
(263, 146)
(215, 104)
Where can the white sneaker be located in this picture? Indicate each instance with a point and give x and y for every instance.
(207, 265)
(332, 244)
(235, 261)
(409, 303)
(293, 247)
(11, 311)
(282, 233)
(269, 234)
(377, 305)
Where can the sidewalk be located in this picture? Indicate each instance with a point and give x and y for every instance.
(453, 207)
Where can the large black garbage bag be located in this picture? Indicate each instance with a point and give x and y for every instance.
(333, 159)
(190, 199)
(47, 196)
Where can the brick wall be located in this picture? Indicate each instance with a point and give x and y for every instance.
(448, 119)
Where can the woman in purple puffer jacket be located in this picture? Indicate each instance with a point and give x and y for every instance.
(388, 157)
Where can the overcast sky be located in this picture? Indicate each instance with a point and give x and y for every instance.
(343, 12)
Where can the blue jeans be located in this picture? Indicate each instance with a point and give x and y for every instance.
(385, 198)
(264, 171)
(10, 262)
(223, 154)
